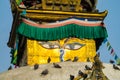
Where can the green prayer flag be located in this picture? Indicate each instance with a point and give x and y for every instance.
(109, 48)
(14, 60)
(108, 44)
(118, 61)
(18, 1)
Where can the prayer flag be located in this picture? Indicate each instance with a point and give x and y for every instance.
(118, 61)
(116, 57)
(105, 40)
(18, 1)
(112, 51)
(109, 48)
(108, 44)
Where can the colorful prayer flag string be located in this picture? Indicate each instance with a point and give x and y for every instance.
(112, 52)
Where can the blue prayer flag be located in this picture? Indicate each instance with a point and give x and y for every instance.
(116, 57)
(105, 40)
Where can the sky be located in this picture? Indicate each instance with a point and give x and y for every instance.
(111, 21)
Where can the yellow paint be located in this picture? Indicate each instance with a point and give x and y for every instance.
(39, 54)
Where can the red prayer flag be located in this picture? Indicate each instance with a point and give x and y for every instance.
(112, 51)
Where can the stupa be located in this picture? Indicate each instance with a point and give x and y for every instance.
(64, 32)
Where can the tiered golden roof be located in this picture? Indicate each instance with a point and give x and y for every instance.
(61, 9)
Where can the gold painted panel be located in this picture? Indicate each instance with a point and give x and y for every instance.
(60, 50)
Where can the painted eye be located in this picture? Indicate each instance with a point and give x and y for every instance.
(74, 46)
(49, 45)
(56, 46)
(78, 46)
(44, 44)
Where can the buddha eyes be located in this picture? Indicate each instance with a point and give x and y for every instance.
(49, 45)
(55, 45)
(74, 46)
